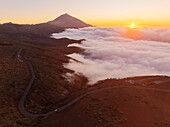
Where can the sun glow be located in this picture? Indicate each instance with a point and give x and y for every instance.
(132, 26)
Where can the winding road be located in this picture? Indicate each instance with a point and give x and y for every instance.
(23, 110)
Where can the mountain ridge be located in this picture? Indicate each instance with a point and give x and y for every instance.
(43, 29)
(68, 21)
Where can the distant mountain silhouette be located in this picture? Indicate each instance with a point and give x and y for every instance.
(38, 30)
(68, 21)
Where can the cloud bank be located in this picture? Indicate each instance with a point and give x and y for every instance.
(109, 54)
(150, 33)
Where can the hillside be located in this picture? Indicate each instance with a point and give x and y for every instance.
(118, 107)
(50, 87)
(38, 30)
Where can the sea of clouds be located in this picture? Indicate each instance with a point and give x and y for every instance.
(119, 52)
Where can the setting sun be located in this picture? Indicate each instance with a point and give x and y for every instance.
(133, 25)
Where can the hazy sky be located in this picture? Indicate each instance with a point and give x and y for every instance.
(95, 12)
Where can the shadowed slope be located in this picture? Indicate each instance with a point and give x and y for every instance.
(68, 21)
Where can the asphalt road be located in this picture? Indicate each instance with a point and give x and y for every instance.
(23, 110)
(21, 105)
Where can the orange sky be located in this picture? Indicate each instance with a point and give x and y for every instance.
(129, 22)
(95, 12)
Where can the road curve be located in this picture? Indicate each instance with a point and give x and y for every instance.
(21, 105)
(17, 56)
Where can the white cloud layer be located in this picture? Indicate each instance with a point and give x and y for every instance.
(150, 33)
(110, 55)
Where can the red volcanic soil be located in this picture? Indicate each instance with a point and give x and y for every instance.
(121, 107)
(47, 57)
